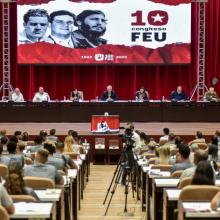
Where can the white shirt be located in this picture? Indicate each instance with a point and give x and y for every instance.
(63, 42)
(17, 97)
(38, 97)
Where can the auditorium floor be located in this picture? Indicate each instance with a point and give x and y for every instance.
(94, 194)
(84, 128)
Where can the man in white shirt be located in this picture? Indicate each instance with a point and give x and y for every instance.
(17, 96)
(61, 28)
(41, 96)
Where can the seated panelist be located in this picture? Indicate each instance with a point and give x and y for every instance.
(76, 95)
(178, 95)
(109, 94)
(41, 96)
(142, 95)
(17, 96)
(211, 95)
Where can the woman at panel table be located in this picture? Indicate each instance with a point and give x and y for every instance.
(76, 95)
(142, 95)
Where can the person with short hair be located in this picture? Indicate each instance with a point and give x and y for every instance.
(41, 169)
(38, 144)
(17, 96)
(182, 159)
(178, 95)
(14, 158)
(41, 96)
(52, 136)
(142, 94)
(68, 162)
(109, 94)
(198, 138)
(165, 137)
(54, 161)
(211, 95)
(36, 22)
(62, 27)
(91, 26)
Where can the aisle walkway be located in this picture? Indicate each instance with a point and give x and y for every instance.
(94, 194)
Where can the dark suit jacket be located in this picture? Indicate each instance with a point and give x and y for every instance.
(105, 96)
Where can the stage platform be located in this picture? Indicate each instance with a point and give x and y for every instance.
(154, 129)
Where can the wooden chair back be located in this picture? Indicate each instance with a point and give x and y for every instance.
(3, 213)
(198, 193)
(162, 167)
(152, 160)
(22, 198)
(38, 182)
(185, 182)
(177, 174)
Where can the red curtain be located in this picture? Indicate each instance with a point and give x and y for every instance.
(159, 80)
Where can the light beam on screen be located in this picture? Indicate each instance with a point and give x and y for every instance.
(141, 32)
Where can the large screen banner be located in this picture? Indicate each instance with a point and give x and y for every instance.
(104, 31)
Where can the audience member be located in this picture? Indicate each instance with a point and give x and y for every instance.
(193, 148)
(54, 161)
(43, 133)
(41, 169)
(3, 133)
(3, 159)
(68, 144)
(14, 182)
(182, 159)
(199, 155)
(14, 158)
(199, 138)
(6, 201)
(164, 156)
(25, 137)
(4, 141)
(165, 137)
(38, 143)
(18, 135)
(52, 135)
(204, 174)
(69, 163)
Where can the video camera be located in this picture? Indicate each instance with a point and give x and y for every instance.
(128, 139)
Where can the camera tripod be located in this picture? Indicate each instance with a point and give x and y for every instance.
(127, 171)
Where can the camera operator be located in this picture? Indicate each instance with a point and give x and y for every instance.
(135, 137)
(128, 153)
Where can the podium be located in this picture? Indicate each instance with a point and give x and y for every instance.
(107, 144)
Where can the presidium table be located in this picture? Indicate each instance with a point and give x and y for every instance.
(153, 111)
